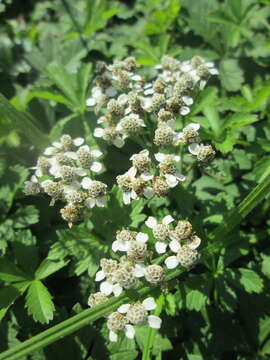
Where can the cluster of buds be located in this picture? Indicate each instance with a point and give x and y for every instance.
(65, 172)
(135, 266)
(144, 179)
(127, 98)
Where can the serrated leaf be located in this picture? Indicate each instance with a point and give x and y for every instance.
(9, 271)
(238, 120)
(39, 302)
(266, 264)
(231, 75)
(24, 123)
(245, 279)
(48, 267)
(25, 216)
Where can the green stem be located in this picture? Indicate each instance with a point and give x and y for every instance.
(151, 332)
(87, 316)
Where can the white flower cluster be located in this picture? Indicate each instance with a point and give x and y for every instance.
(181, 240)
(64, 172)
(141, 181)
(190, 136)
(134, 266)
(126, 98)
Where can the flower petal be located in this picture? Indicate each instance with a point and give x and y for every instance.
(117, 289)
(154, 321)
(90, 101)
(101, 201)
(123, 309)
(193, 148)
(160, 157)
(148, 192)
(86, 182)
(139, 270)
(129, 331)
(96, 167)
(100, 275)
(113, 336)
(171, 180)
(151, 222)
(184, 110)
(174, 246)
(171, 262)
(98, 132)
(160, 247)
(194, 126)
(106, 287)
(167, 219)
(195, 242)
(78, 141)
(149, 303)
(126, 198)
(142, 237)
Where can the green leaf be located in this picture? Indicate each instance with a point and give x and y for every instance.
(238, 120)
(39, 302)
(25, 216)
(8, 295)
(231, 75)
(48, 267)
(73, 86)
(266, 264)
(221, 17)
(245, 279)
(213, 119)
(9, 272)
(123, 349)
(24, 123)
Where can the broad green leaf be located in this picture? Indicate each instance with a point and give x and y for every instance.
(11, 181)
(231, 75)
(9, 271)
(266, 264)
(48, 267)
(123, 349)
(238, 120)
(213, 119)
(25, 216)
(24, 124)
(245, 279)
(9, 294)
(264, 329)
(221, 17)
(39, 302)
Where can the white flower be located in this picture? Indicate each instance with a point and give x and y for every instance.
(57, 146)
(161, 232)
(117, 139)
(194, 148)
(172, 179)
(137, 314)
(123, 245)
(186, 253)
(97, 95)
(96, 191)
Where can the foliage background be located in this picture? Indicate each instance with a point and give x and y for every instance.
(48, 50)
